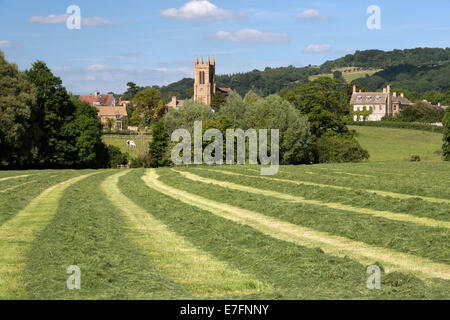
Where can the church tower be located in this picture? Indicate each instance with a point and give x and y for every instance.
(205, 81)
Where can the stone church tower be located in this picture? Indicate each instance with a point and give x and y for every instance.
(205, 81)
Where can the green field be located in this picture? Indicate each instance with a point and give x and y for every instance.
(309, 232)
(348, 76)
(388, 144)
(141, 144)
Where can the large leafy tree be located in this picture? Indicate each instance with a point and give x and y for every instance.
(146, 102)
(71, 129)
(275, 113)
(18, 130)
(325, 102)
(54, 115)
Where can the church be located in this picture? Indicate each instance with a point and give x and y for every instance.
(204, 84)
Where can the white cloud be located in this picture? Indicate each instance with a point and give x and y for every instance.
(7, 44)
(250, 36)
(87, 22)
(98, 67)
(310, 14)
(318, 48)
(199, 10)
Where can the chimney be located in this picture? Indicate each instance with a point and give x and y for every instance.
(359, 90)
(354, 88)
(402, 95)
(388, 88)
(394, 94)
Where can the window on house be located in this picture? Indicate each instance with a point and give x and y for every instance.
(359, 98)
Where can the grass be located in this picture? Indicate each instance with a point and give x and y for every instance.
(307, 233)
(388, 144)
(121, 143)
(200, 273)
(349, 76)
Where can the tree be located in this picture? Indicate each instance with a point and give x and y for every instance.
(275, 113)
(250, 98)
(446, 145)
(217, 101)
(158, 145)
(19, 132)
(325, 102)
(131, 92)
(87, 130)
(54, 114)
(71, 129)
(337, 75)
(234, 108)
(146, 102)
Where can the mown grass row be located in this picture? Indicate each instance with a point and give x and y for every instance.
(15, 194)
(91, 230)
(405, 237)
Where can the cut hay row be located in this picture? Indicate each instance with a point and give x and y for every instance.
(178, 259)
(17, 234)
(403, 217)
(14, 177)
(377, 192)
(330, 244)
(22, 184)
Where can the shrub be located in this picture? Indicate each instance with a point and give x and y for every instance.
(116, 157)
(415, 158)
(340, 148)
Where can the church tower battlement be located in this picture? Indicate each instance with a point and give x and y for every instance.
(204, 80)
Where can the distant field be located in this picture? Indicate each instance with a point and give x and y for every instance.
(388, 144)
(121, 143)
(310, 232)
(348, 76)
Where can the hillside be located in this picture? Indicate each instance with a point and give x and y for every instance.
(418, 70)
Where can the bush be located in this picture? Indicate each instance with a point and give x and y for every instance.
(340, 148)
(446, 145)
(116, 157)
(414, 158)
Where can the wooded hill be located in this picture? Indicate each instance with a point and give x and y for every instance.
(417, 70)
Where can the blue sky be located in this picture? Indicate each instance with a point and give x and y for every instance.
(155, 42)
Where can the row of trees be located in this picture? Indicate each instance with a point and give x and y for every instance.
(310, 119)
(42, 126)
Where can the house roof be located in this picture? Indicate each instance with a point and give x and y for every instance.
(368, 98)
(112, 112)
(102, 99)
(401, 100)
(225, 91)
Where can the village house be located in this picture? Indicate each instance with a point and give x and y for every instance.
(379, 103)
(108, 112)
